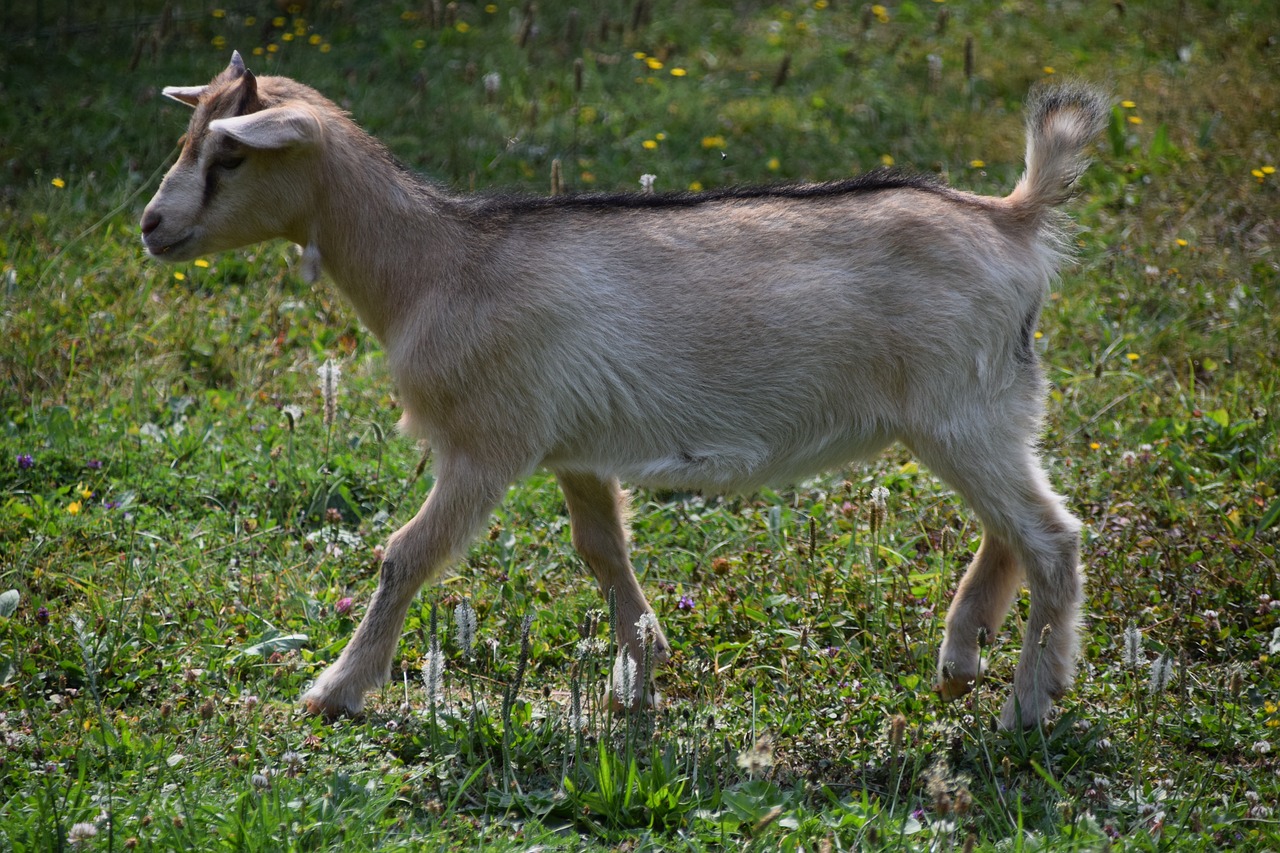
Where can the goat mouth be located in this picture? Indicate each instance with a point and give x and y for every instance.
(157, 251)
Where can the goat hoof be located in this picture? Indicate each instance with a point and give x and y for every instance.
(321, 703)
(1028, 709)
(951, 687)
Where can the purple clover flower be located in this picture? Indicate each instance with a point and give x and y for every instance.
(42, 616)
(25, 461)
(685, 603)
(94, 464)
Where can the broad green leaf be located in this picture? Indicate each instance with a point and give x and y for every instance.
(8, 603)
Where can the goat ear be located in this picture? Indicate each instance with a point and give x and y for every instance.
(277, 127)
(189, 95)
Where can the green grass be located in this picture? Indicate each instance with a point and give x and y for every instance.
(182, 531)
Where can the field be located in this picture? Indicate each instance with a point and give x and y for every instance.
(189, 529)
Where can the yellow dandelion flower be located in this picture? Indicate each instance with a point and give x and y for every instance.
(462, 27)
(881, 13)
(678, 72)
(315, 39)
(660, 136)
(285, 37)
(273, 48)
(1268, 170)
(1182, 244)
(202, 263)
(713, 141)
(1132, 356)
(257, 51)
(886, 159)
(820, 5)
(277, 22)
(1257, 173)
(695, 186)
(84, 492)
(639, 54)
(326, 47)
(73, 508)
(1049, 69)
(588, 177)
(1135, 119)
(1128, 105)
(977, 164)
(59, 183)
(654, 63)
(649, 144)
(219, 13)
(1093, 445)
(419, 44)
(251, 21)
(490, 9)
(1039, 334)
(180, 276)
(219, 42)
(774, 164)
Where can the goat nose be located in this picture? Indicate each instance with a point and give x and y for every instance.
(150, 222)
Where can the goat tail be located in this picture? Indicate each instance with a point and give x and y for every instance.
(1062, 119)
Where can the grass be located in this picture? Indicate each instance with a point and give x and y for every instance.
(187, 540)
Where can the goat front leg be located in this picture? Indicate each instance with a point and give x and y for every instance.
(597, 515)
(457, 507)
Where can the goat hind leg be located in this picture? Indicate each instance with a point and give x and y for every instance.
(1047, 663)
(1024, 525)
(457, 507)
(982, 600)
(597, 514)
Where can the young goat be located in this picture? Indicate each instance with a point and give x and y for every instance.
(715, 341)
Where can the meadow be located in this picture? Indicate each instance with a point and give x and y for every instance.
(190, 527)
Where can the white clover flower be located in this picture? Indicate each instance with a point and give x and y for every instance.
(81, 833)
(646, 183)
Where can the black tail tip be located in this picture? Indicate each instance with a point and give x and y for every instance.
(1089, 101)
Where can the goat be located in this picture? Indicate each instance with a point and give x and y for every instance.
(714, 341)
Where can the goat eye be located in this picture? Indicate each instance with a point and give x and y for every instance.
(228, 162)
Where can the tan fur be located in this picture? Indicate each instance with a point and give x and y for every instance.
(701, 342)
